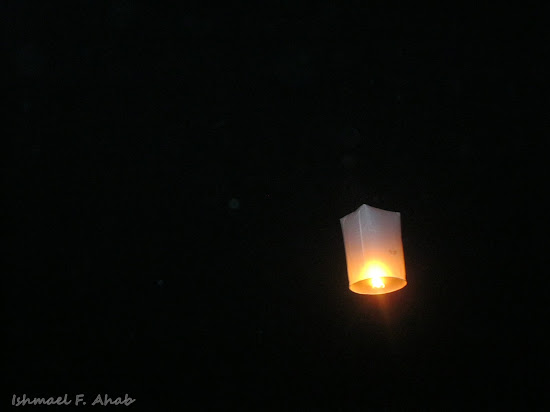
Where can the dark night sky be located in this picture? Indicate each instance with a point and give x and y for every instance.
(176, 179)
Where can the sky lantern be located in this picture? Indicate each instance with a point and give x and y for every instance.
(374, 250)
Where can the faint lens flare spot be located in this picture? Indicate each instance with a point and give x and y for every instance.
(234, 204)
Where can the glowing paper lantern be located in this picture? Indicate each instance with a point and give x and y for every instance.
(374, 250)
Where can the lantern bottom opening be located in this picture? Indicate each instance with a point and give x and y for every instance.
(365, 286)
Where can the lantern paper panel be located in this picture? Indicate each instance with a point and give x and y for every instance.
(374, 250)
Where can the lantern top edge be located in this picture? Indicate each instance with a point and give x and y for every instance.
(365, 206)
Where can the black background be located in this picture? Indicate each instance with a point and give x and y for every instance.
(176, 178)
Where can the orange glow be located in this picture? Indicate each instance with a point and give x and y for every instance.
(377, 283)
(376, 271)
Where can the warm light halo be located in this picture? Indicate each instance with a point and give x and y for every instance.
(376, 269)
(377, 282)
(378, 277)
(376, 272)
(364, 286)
